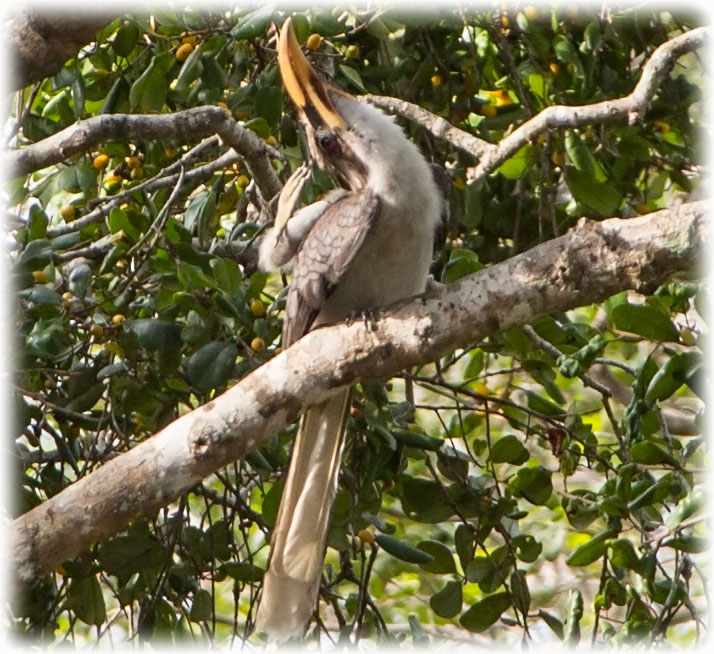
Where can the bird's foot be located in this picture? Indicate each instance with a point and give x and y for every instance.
(370, 318)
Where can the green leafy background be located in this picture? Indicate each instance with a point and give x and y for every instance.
(490, 496)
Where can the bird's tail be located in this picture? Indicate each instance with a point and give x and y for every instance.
(292, 581)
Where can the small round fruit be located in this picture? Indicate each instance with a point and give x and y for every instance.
(67, 295)
(136, 173)
(687, 336)
(351, 52)
(437, 80)
(183, 51)
(257, 308)
(554, 67)
(313, 41)
(366, 536)
(40, 276)
(118, 319)
(272, 141)
(558, 158)
(488, 110)
(242, 181)
(100, 161)
(96, 330)
(68, 212)
(257, 344)
(133, 161)
(530, 12)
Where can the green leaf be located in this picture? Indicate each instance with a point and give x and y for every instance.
(461, 263)
(424, 500)
(84, 597)
(36, 255)
(519, 591)
(353, 77)
(212, 365)
(155, 335)
(554, 623)
(690, 544)
(623, 555)
(213, 76)
(542, 405)
(650, 453)
(687, 507)
(527, 548)
(269, 104)
(447, 602)
(485, 612)
(243, 571)
(672, 375)
(125, 40)
(253, 24)
(202, 606)
(591, 550)
(583, 159)
(644, 320)
(443, 562)
(602, 197)
(509, 449)
(514, 167)
(534, 484)
(402, 550)
(415, 439)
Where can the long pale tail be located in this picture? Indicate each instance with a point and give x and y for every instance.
(292, 581)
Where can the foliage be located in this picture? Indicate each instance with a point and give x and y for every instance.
(498, 491)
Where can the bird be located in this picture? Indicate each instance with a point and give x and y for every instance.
(363, 246)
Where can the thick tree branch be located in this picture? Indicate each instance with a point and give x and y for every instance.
(590, 263)
(631, 107)
(41, 43)
(183, 126)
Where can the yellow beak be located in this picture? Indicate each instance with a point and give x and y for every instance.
(303, 83)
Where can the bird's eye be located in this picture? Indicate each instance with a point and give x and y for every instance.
(328, 143)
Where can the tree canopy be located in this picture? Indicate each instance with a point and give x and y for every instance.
(525, 459)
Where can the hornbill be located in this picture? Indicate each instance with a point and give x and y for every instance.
(358, 249)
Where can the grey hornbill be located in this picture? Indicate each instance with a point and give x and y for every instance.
(358, 249)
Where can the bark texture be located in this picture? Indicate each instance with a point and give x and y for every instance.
(42, 41)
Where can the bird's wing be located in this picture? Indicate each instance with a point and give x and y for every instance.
(323, 257)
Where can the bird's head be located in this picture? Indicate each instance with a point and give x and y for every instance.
(344, 135)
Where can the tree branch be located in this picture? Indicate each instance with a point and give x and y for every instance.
(590, 263)
(185, 126)
(41, 43)
(632, 107)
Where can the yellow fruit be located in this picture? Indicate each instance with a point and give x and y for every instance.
(118, 319)
(530, 12)
(242, 181)
(558, 158)
(642, 208)
(191, 39)
(488, 110)
(436, 80)
(113, 183)
(100, 161)
(133, 161)
(136, 173)
(61, 571)
(554, 68)
(257, 308)
(480, 389)
(170, 151)
(223, 106)
(272, 141)
(351, 52)
(257, 344)
(366, 536)
(40, 276)
(96, 330)
(49, 384)
(278, 350)
(183, 51)
(68, 212)
(687, 336)
(459, 183)
(313, 41)
(505, 22)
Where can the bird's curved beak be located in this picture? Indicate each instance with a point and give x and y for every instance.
(302, 82)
